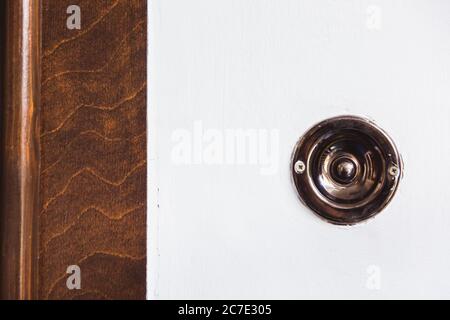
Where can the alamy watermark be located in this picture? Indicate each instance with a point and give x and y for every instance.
(230, 147)
(74, 19)
(373, 281)
(73, 281)
(374, 18)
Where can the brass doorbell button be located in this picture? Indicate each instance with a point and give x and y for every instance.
(346, 169)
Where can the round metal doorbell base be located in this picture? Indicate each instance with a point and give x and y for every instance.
(346, 169)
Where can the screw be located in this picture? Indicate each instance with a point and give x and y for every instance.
(299, 167)
(393, 171)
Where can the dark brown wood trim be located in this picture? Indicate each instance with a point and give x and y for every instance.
(92, 191)
(20, 148)
(73, 149)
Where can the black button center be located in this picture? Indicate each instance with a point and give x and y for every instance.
(343, 170)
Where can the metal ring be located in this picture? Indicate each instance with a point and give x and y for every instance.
(346, 169)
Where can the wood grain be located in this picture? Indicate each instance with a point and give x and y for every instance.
(93, 150)
(19, 147)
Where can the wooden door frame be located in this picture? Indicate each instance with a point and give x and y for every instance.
(20, 148)
(102, 215)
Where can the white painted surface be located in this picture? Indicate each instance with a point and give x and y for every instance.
(227, 231)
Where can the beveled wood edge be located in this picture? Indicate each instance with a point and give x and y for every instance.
(20, 150)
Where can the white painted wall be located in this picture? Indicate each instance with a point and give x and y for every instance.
(228, 231)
